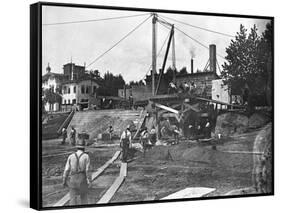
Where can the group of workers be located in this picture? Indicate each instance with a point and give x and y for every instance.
(76, 174)
(198, 129)
(72, 136)
(184, 87)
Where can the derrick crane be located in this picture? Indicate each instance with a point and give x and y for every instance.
(155, 19)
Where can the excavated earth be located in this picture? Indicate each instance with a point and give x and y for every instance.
(162, 171)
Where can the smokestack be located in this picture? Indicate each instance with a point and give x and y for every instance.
(191, 66)
(213, 58)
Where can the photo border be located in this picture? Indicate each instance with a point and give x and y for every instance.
(36, 103)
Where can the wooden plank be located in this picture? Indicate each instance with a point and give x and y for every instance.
(115, 186)
(167, 108)
(62, 201)
(102, 168)
(243, 152)
(123, 169)
(58, 154)
(66, 198)
(111, 191)
(69, 117)
(190, 192)
(219, 102)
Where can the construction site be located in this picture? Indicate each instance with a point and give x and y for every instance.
(205, 144)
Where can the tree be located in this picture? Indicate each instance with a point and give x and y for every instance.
(243, 67)
(183, 71)
(51, 97)
(110, 84)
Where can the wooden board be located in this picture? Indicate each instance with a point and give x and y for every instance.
(167, 108)
(111, 191)
(115, 186)
(123, 169)
(102, 168)
(66, 198)
(190, 192)
(243, 152)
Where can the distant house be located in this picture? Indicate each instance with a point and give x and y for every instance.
(81, 93)
(52, 81)
(75, 86)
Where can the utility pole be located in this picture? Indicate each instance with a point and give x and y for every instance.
(154, 49)
(174, 55)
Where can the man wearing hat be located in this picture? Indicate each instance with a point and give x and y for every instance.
(125, 143)
(77, 171)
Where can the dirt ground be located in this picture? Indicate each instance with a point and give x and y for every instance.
(164, 169)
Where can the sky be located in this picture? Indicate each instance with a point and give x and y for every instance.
(84, 42)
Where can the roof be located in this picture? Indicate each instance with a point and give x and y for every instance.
(52, 74)
(68, 81)
(197, 74)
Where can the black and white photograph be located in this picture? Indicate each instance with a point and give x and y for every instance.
(147, 105)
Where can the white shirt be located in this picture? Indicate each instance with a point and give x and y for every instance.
(71, 164)
(123, 135)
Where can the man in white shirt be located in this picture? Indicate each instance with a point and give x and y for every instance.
(77, 171)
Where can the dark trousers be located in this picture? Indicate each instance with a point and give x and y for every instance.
(75, 194)
(63, 140)
(125, 151)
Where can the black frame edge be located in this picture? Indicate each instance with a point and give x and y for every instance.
(34, 108)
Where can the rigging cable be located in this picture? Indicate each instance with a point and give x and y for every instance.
(129, 33)
(200, 43)
(202, 28)
(93, 20)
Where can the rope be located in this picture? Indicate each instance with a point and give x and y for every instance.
(92, 20)
(129, 33)
(202, 28)
(195, 40)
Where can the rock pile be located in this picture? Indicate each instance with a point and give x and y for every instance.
(231, 123)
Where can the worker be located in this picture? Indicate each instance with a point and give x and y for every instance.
(76, 174)
(207, 129)
(172, 88)
(110, 131)
(192, 88)
(176, 134)
(152, 135)
(73, 136)
(64, 135)
(146, 144)
(186, 87)
(125, 143)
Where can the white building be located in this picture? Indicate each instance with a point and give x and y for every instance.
(220, 92)
(52, 81)
(74, 86)
(80, 93)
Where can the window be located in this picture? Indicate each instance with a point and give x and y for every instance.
(64, 90)
(74, 89)
(73, 101)
(82, 89)
(87, 89)
(68, 101)
(64, 101)
(68, 90)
